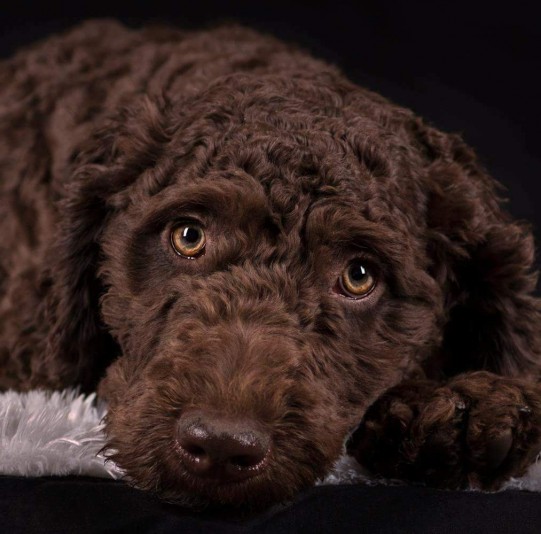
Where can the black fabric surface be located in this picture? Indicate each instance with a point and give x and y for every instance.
(81, 505)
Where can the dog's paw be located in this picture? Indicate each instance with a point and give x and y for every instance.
(478, 430)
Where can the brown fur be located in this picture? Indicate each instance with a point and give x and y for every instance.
(110, 135)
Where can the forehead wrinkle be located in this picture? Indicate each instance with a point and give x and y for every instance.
(234, 198)
(342, 227)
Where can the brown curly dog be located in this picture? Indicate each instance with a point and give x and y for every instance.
(246, 254)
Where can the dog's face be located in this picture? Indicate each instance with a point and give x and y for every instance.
(266, 279)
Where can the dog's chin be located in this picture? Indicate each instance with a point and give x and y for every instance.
(180, 487)
(254, 494)
(247, 495)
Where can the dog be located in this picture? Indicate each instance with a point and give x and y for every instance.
(258, 265)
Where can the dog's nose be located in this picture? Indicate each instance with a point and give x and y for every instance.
(221, 448)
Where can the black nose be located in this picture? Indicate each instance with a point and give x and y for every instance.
(221, 448)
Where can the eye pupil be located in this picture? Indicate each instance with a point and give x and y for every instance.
(357, 272)
(191, 235)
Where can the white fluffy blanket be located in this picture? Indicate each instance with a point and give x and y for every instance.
(44, 433)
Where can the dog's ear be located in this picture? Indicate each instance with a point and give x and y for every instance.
(78, 346)
(483, 261)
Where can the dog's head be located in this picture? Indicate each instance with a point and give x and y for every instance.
(263, 260)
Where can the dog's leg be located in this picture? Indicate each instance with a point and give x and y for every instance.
(478, 429)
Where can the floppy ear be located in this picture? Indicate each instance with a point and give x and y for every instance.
(483, 261)
(78, 346)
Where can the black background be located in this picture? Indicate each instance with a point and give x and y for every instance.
(469, 67)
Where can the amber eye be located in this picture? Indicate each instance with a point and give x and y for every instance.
(357, 281)
(188, 239)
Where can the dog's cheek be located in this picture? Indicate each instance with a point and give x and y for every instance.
(114, 384)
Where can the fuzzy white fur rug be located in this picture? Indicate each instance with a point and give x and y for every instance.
(60, 433)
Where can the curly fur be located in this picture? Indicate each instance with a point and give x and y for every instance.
(109, 136)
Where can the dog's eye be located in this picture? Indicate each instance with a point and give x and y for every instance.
(188, 239)
(356, 281)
